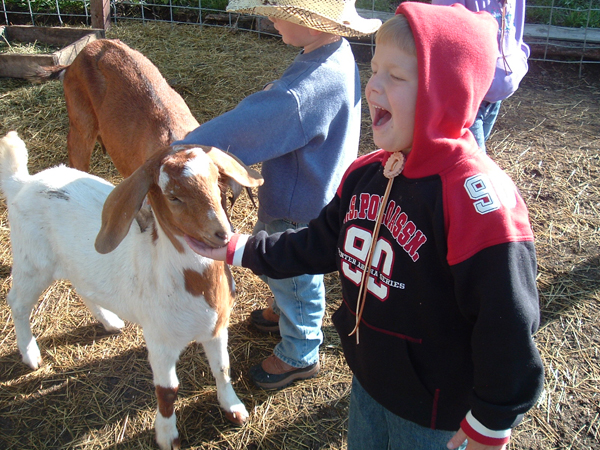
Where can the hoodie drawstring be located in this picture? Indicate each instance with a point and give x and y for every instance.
(393, 167)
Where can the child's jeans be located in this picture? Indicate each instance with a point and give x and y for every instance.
(300, 303)
(484, 122)
(373, 427)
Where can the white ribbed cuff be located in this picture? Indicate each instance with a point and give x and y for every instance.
(486, 435)
(238, 252)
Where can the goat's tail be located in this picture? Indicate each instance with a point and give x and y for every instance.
(13, 164)
(41, 74)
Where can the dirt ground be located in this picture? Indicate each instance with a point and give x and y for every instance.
(548, 139)
(94, 390)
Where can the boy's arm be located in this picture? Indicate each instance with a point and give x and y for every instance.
(497, 292)
(310, 250)
(262, 126)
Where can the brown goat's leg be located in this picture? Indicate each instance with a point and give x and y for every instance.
(80, 147)
(83, 126)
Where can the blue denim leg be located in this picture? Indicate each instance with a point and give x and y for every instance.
(373, 427)
(300, 303)
(484, 122)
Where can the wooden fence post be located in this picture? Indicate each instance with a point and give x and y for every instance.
(100, 10)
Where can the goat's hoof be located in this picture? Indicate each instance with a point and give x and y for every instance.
(33, 361)
(175, 445)
(114, 325)
(237, 417)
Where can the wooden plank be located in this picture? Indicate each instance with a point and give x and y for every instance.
(58, 36)
(71, 41)
(553, 33)
(66, 55)
(21, 66)
(100, 12)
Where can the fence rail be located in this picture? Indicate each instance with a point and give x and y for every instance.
(548, 42)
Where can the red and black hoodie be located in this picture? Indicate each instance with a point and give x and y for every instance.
(446, 333)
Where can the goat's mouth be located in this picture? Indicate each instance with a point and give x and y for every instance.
(202, 246)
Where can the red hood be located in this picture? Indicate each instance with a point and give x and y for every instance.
(457, 51)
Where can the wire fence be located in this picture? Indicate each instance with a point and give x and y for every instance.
(554, 33)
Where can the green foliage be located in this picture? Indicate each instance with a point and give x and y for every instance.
(39, 6)
(566, 13)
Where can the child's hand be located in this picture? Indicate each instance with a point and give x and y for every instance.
(218, 254)
(460, 437)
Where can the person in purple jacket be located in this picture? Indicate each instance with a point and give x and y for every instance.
(304, 128)
(433, 246)
(511, 63)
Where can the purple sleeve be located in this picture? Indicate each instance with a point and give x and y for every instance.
(511, 65)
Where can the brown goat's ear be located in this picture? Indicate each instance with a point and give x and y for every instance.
(122, 205)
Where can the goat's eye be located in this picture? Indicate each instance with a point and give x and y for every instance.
(174, 200)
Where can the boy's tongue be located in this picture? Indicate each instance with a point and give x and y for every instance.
(382, 116)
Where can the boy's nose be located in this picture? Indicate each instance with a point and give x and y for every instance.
(372, 85)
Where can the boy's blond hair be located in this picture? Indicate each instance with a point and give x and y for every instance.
(397, 31)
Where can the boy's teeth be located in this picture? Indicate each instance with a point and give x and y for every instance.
(382, 115)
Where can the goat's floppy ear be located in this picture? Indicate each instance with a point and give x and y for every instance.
(122, 205)
(234, 173)
(230, 166)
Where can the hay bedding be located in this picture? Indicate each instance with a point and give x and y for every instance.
(95, 391)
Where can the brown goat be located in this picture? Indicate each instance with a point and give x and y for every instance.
(116, 96)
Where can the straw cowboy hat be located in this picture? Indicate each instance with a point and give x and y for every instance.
(330, 16)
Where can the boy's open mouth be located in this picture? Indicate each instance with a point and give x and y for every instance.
(382, 116)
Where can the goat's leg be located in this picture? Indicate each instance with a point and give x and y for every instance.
(83, 129)
(218, 358)
(80, 147)
(24, 294)
(163, 360)
(111, 322)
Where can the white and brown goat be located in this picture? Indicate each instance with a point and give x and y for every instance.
(116, 96)
(67, 224)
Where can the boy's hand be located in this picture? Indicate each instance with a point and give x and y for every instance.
(461, 436)
(218, 254)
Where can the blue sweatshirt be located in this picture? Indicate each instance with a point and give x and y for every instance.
(304, 128)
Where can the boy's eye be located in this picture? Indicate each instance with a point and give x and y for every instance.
(397, 77)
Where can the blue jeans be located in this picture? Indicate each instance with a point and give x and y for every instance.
(373, 427)
(300, 303)
(484, 122)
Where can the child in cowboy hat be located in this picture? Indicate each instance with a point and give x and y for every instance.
(433, 247)
(304, 128)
